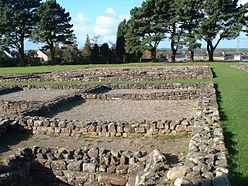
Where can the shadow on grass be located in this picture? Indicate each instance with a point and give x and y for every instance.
(235, 177)
(214, 74)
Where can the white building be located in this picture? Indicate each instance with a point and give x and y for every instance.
(42, 55)
(237, 57)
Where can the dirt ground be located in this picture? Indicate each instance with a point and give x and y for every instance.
(126, 110)
(35, 95)
(175, 147)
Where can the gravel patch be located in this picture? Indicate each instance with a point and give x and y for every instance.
(176, 148)
(35, 95)
(126, 110)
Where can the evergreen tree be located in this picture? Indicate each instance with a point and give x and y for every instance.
(120, 42)
(222, 20)
(17, 23)
(105, 53)
(53, 26)
(87, 47)
(190, 14)
(173, 23)
(144, 29)
(95, 53)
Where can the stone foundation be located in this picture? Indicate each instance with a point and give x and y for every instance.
(241, 67)
(111, 74)
(82, 167)
(205, 164)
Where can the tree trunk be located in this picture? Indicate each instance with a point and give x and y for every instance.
(192, 53)
(174, 51)
(52, 51)
(153, 54)
(21, 52)
(210, 50)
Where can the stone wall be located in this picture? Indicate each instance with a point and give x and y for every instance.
(206, 162)
(241, 67)
(82, 167)
(111, 74)
(17, 106)
(173, 91)
(41, 125)
(166, 95)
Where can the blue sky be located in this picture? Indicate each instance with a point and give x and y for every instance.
(101, 18)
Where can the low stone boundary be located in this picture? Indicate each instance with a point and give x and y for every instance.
(82, 167)
(167, 95)
(241, 67)
(187, 91)
(106, 74)
(40, 125)
(17, 106)
(206, 162)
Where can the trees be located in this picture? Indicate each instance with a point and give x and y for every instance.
(244, 10)
(144, 29)
(105, 53)
(120, 42)
(222, 20)
(70, 56)
(173, 27)
(190, 16)
(53, 26)
(184, 22)
(87, 47)
(17, 23)
(95, 53)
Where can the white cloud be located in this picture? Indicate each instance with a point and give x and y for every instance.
(107, 24)
(80, 17)
(110, 11)
(81, 26)
(243, 1)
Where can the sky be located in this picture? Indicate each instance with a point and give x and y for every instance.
(101, 18)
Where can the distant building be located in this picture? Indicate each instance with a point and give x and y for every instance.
(244, 57)
(237, 57)
(7, 54)
(146, 60)
(203, 57)
(42, 55)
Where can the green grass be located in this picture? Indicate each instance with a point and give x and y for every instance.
(232, 93)
(232, 87)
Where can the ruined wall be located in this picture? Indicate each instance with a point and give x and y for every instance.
(82, 167)
(206, 162)
(241, 67)
(40, 125)
(108, 74)
(174, 91)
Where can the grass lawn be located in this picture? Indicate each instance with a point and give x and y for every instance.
(232, 87)
(232, 93)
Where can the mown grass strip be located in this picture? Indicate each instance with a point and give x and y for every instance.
(232, 87)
